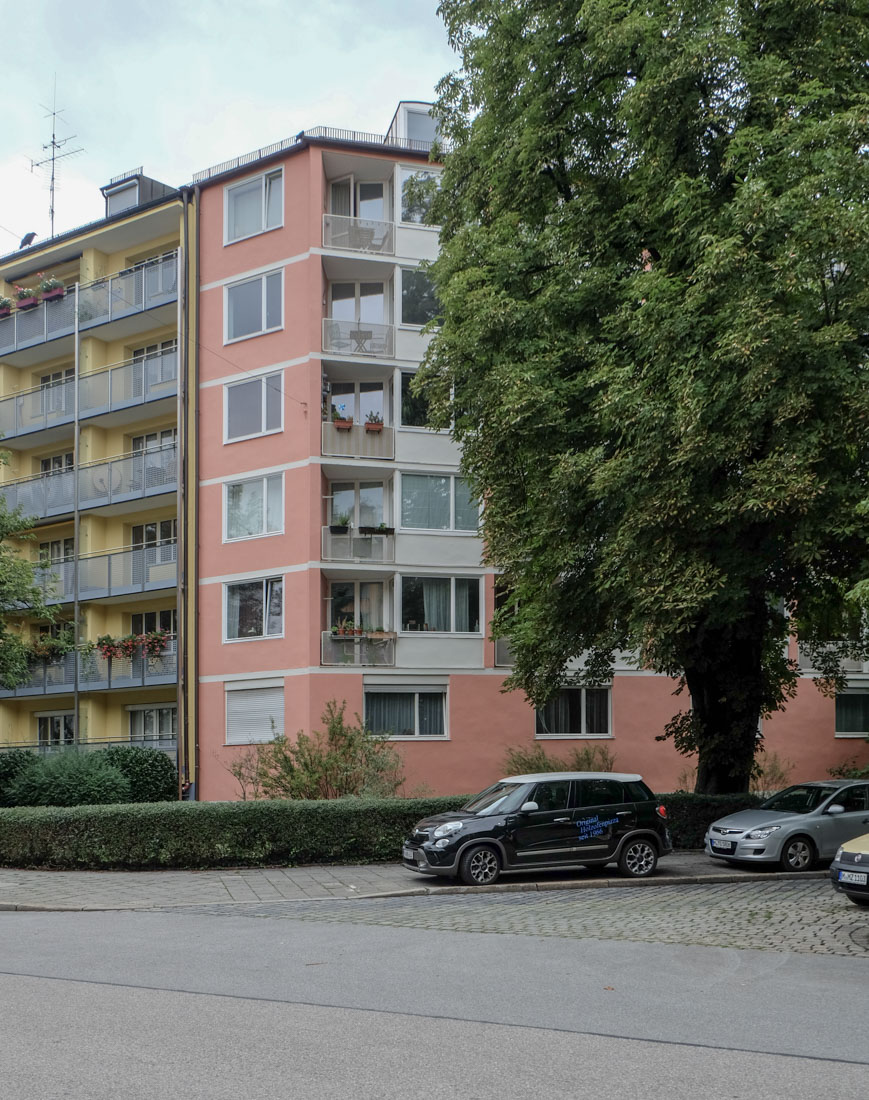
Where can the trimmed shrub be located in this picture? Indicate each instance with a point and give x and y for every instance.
(587, 758)
(12, 763)
(69, 779)
(690, 815)
(152, 774)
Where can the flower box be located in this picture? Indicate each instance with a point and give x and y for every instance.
(53, 295)
(5, 311)
(373, 427)
(376, 530)
(338, 528)
(343, 425)
(27, 303)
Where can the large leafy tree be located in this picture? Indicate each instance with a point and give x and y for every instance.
(19, 592)
(654, 280)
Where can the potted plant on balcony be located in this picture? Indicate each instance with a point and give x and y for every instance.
(345, 626)
(51, 647)
(5, 305)
(380, 529)
(50, 287)
(374, 422)
(340, 419)
(26, 297)
(340, 524)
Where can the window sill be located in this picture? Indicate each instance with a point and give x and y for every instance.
(846, 736)
(249, 538)
(438, 531)
(574, 737)
(466, 635)
(420, 737)
(254, 638)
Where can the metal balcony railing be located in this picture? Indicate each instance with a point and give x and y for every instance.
(358, 234)
(357, 649)
(164, 744)
(145, 286)
(127, 477)
(356, 546)
(128, 384)
(98, 673)
(358, 338)
(118, 573)
(357, 441)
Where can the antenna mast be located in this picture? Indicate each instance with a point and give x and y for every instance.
(55, 146)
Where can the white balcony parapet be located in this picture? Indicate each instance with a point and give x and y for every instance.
(127, 477)
(358, 234)
(357, 441)
(358, 544)
(358, 649)
(358, 338)
(154, 282)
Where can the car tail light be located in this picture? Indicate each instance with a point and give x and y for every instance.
(661, 811)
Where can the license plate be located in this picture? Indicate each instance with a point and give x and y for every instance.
(858, 878)
(408, 853)
(725, 845)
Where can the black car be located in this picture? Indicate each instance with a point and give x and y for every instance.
(553, 820)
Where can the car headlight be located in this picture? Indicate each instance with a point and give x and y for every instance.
(447, 828)
(762, 834)
(839, 853)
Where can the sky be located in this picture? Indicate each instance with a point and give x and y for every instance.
(177, 88)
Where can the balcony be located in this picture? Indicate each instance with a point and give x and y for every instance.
(357, 441)
(124, 572)
(112, 481)
(357, 649)
(358, 338)
(164, 744)
(143, 287)
(358, 234)
(121, 387)
(356, 545)
(98, 673)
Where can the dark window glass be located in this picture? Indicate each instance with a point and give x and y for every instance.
(600, 792)
(418, 302)
(414, 409)
(552, 796)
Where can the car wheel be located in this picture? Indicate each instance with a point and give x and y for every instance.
(480, 866)
(859, 899)
(638, 858)
(798, 854)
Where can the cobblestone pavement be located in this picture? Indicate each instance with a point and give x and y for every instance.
(784, 915)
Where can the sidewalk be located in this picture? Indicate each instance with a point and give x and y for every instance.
(58, 891)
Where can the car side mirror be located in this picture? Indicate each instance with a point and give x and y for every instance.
(527, 807)
(835, 808)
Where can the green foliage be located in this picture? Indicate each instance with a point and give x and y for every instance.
(654, 286)
(690, 815)
(588, 758)
(69, 779)
(12, 763)
(849, 769)
(342, 760)
(213, 834)
(152, 775)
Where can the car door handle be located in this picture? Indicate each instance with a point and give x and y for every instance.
(623, 813)
(560, 820)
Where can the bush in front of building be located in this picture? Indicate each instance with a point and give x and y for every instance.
(12, 763)
(152, 774)
(69, 779)
(690, 815)
(213, 834)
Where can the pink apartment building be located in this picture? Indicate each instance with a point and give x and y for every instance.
(337, 547)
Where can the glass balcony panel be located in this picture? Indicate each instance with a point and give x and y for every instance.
(356, 547)
(348, 337)
(357, 650)
(358, 234)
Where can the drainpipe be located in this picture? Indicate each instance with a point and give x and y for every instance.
(76, 530)
(181, 510)
(194, 478)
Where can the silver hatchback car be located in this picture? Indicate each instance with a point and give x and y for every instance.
(795, 828)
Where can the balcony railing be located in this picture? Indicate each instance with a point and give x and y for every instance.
(357, 441)
(164, 744)
(358, 338)
(145, 286)
(358, 234)
(118, 573)
(357, 649)
(356, 546)
(128, 477)
(120, 387)
(98, 673)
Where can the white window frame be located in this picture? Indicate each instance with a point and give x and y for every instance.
(262, 279)
(416, 691)
(263, 380)
(263, 479)
(451, 633)
(253, 637)
(53, 714)
(411, 326)
(452, 529)
(852, 689)
(266, 684)
(584, 736)
(141, 707)
(246, 182)
(403, 171)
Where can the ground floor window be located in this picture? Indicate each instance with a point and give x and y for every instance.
(56, 729)
(852, 714)
(254, 712)
(406, 713)
(576, 712)
(154, 723)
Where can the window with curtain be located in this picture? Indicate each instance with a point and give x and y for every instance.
(852, 714)
(254, 306)
(443, 604)
(576, 712)
(254, 206)
(436, 502)
(254, 609)
(254, 507)
(154, 723)
(361, 601)
(406, 713)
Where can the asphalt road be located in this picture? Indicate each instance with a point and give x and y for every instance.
(462, 996)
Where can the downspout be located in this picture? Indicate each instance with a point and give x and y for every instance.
(197, 200)
(181, 511)
(76, 529)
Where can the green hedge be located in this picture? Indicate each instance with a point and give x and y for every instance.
(221, 834)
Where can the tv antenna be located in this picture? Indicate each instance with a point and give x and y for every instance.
(51, 160)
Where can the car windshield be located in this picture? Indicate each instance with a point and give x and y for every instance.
(798, 800)
(496, 799)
